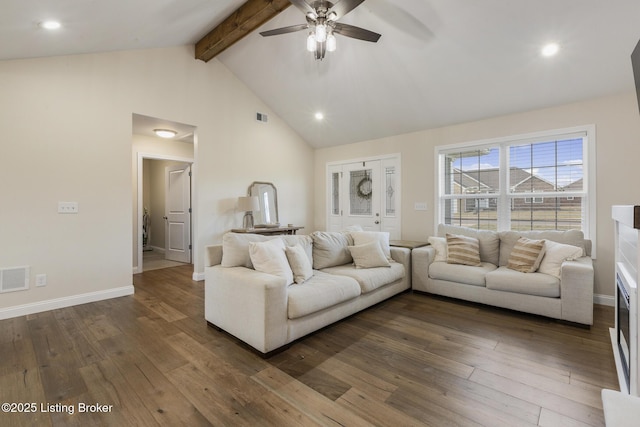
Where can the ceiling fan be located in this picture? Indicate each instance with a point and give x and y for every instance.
(322, 17)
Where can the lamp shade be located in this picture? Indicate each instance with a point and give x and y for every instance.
(248, 203)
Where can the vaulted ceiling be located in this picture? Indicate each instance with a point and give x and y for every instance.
(439, 62)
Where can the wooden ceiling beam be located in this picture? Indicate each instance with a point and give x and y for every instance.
(243, 21)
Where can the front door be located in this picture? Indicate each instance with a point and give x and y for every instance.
(365, 193)
(178, 213)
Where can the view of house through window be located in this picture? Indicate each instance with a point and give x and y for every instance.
(516, 185)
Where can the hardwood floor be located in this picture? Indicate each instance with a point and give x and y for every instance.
(412, 360)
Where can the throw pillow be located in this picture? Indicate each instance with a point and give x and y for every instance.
(369, 255)
(235, 248)
(299, 263)
(555, 255)
(269, 257)
(330, 249)
(463, 250)
(526, 255)
(440, 245)
(382, 237)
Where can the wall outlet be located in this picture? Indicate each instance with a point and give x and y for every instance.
(68, 207)
(420, 206)
(41, 280)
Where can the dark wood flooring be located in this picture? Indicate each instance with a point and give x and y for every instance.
(412, 360)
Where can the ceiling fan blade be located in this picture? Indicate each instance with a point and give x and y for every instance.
(343, 7)
(355, 32)
(284, 30)
(304, 7)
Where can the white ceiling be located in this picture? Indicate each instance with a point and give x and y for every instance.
(439, 62)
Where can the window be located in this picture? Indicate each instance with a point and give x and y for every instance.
(533, 182)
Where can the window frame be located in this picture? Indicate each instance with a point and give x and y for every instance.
(505, 197)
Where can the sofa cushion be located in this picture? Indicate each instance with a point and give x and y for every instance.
(299, 263)
(508, 240)
(526, 255)
(555, 255)
(331, 249)
(370, 278)
(467, 274)
(381, 237)
(368, 255)
(539, 284)
(300, 239)
(319, 292)
(235, 248)
(489, 240)
(463, 250)
(440, 246)
(269, 257)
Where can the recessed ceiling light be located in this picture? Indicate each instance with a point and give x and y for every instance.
(50, 25)
(165, 133)
(319, 116)
(550, 49)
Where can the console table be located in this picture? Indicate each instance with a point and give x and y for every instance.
(268, 231)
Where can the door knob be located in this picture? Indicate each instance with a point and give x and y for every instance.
(164, 217)
(377, 222)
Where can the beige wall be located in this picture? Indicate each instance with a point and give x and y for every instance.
(68, 137)
(618, 152)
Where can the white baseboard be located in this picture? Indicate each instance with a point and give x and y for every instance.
(137, 270)
(38, 307)
(198, 277)
(604, 300)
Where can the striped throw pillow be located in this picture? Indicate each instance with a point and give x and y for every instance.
(526, 255)
(463, 250)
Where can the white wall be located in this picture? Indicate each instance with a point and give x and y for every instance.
(67, 137)
(618, 156)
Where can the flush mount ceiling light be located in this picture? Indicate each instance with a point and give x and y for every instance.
(319, 116)
(550, 49)
(50, 25)
(322, 25)
(165, 133)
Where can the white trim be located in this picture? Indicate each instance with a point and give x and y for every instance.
(198, 277)
(153, 156)
(53, 304)
(607, 300)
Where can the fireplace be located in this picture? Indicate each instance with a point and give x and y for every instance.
(624, 337)
(623, 327)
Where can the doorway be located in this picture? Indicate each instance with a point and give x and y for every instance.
(365, 192)
(154, 158)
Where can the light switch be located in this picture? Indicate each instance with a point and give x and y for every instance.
(420, 206)
(68, 207)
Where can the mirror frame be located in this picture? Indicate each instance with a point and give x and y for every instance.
(275, 195)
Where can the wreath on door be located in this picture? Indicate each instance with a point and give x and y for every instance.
(364, 188)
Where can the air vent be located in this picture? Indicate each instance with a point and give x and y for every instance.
(261, 117)
(14, 279)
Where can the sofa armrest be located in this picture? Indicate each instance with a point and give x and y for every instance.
(212, 255)
(421, 259)
(576, 290)
(403, 256)
(248, 304)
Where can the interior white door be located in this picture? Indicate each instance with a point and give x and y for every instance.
(178, 213)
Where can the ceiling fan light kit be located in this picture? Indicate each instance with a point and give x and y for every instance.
(322, 17)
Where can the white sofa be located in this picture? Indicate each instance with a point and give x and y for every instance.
(266, 312)
(567, 295)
